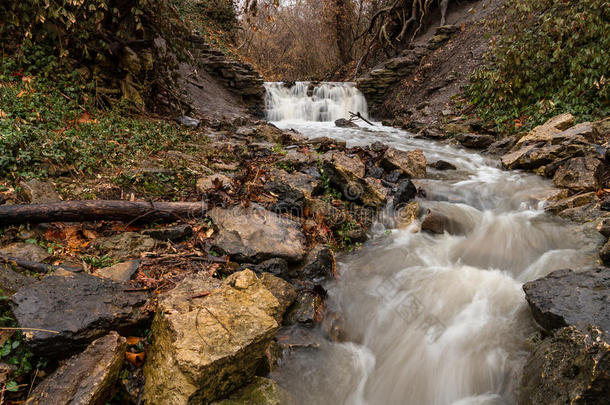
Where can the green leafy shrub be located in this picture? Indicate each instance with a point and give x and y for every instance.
(550, 56)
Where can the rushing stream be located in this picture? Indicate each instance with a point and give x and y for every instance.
(430, 319)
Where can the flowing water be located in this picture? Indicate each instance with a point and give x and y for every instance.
(430, 319)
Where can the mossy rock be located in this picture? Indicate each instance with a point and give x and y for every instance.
(262, 391)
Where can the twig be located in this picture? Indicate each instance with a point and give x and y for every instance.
(32, 329)
(35, 266)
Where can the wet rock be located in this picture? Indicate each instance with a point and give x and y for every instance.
(253, 235)
(125, 245)
(567, 298)
(120, 272)
(570, 367)
(604, 227)
(276, 266)
(87, 378)
(282, 290)
(172, 233)
(546, 131)
(39, 192)
(343, 123)
(395, 176)
(347, 174)
(575, 201)
(188, 121)
(319, 264)
(412, 163)
(514, 159)
(501, 146)
(405, 192)
(375, 172)
(323, 210)
(306, 310)
(12, 281)
(205, 348)
(604, 254)
(325, 143)
(584, 131)
(214, 182)
(579, 174)
(357, 235)
(475, 141)
(442, 165)
(438, 223)
(26, 251)
(262, 391)
(378, 146)
(405, 214)
(80, 307)
(289, 199)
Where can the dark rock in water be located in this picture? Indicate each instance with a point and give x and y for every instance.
(378, 147)
(172, 233)
(442, 165)
(375, 172)
(343, 123)
(604, 254)
(502, 146)
(87, 378)
(570, 367)
(307, 309)
(405, 192)
(475, 141)
(395, 176)
(80, 307)
(325, 143)
(319, 264)
(357, 235)
(605, 205)
(567, 298)
(296, 337)
(276, 266)
(289, 199)
(188, 121)
(253, 235)
(438, 223)
(579, 174)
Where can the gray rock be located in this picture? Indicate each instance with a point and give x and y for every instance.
(11, 281)
(475, 141)
(276, 266)
(319, 264)
(26, 251)
(80, 307)
(87, 378)
(262, 391)
(442, 165)
(289, 199)
(307, 309)
(569, 367)
(604, 254)
(188, 121)
(120, 272)
(438, 223)
(253, 235)
(172, 233)
(39, 192)
(213, 182)
(604, 227)
(405, 192)
(125, 245)
(567, 298)
(343, 123)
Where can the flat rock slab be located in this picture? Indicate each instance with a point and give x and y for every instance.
(121, 272)
(124, 245)
(87, 378)
(80, 307)
(206, 346)
(254, 234)
(412, 163)
(26, 251)
(568, 298)
(11, 281)
(39, 192)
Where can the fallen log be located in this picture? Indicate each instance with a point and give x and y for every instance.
(82, 211)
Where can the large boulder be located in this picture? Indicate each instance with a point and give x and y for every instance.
(262, 391)
(12, 281)
(574, 201)
(568, 298)
(438, 223)
(254, 234)
(570, 367)
(76, 309)
(87, 378)
(301, 182)
(39, 192)
(412, 163)
(546, 131)
(579, 174)
(209, 337)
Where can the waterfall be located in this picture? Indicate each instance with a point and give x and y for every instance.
(306, 101)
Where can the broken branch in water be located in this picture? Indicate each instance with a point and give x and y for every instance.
(358, 115)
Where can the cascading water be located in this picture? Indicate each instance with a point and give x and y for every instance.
(434, 319)
(308, 102)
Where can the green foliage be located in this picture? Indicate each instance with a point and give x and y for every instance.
(550, 56)
(49, 123)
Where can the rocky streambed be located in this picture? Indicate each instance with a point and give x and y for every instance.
(251, 306)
